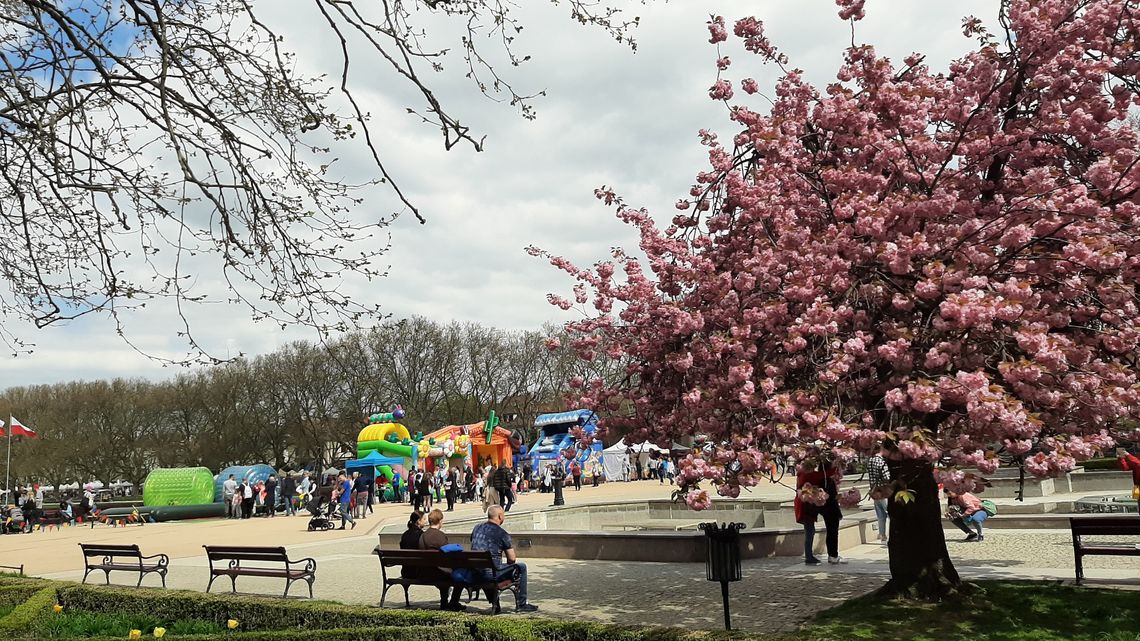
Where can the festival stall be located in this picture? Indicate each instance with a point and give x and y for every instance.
(615, 456)
(614, 461)
(680, 449)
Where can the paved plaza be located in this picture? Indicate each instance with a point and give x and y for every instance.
(775, 594)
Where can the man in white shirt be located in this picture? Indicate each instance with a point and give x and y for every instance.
(229, 488)
(246, 500)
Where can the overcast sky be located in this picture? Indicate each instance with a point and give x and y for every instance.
(610, 117)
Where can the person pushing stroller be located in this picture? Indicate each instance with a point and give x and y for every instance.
(324, 513)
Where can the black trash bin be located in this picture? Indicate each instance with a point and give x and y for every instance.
(722, 560)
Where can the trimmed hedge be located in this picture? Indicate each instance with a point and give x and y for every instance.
(254, 613)
(12, 595)
(22, 620)
(13, 580)
(1098, 464)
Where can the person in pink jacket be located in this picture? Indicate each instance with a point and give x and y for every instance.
(965, 510)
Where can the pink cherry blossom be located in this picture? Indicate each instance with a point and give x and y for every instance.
(850, 498)
(813, 495)
(851, 9)
(717, 32)
(721, 90)
(698, 500)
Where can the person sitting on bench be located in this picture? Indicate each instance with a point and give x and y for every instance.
(491, 537)
(433, 538)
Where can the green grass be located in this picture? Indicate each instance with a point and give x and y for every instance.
(996, 611)
(97, 624)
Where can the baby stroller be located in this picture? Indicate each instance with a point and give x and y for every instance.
(322, 520)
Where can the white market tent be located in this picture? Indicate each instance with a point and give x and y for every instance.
(614, 458)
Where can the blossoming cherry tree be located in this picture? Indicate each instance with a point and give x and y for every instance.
(942, 261)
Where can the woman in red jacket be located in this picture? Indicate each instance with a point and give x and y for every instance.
(822, 477)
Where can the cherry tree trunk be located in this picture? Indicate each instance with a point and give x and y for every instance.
(920, 564)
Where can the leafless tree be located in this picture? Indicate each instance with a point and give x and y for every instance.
(143, 142)
(287, 408)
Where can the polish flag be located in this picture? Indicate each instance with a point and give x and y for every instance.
(18, 429)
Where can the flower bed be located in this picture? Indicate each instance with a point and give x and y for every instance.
(77, 624)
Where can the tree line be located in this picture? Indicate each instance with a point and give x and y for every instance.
(303, 404)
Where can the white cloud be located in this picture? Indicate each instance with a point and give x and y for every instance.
(610, 117)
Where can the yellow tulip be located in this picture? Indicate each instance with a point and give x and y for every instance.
(57, 608)
(159, 632)
(134, 634)
(231, 624)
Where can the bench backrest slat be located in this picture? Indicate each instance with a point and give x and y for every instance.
(1111, 525)
(435, 558)
(227, 553)
(101, 549)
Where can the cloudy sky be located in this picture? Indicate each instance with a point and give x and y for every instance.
(612, 117)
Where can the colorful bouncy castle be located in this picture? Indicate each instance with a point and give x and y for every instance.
(385, 447)
(473, 444)
(557, 443)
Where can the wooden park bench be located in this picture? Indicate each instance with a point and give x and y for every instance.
(124, 558)
(1103, 526)
(234, 556)
(477, 562)
(51, 517)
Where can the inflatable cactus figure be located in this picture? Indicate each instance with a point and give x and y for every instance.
(489, 425)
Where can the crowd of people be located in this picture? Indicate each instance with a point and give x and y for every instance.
(245, 499)
(662, 469)
(492, 484)
(348, 497)
(27, 508)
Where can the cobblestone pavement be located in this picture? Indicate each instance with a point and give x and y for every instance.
(1033, 552)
